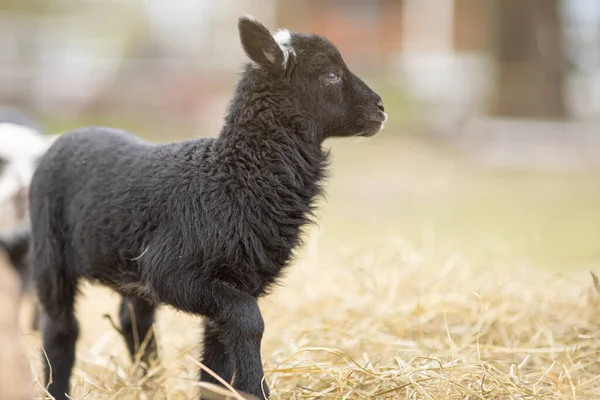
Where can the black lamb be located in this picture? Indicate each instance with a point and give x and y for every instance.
(206, 225)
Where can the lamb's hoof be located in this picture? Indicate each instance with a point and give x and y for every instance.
(211, 391)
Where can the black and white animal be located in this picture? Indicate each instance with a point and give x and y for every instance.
(206, 226)
(22, 143)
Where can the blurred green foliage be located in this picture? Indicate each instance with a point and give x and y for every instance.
(443, 205)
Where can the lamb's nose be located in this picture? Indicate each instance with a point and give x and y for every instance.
(380, 105)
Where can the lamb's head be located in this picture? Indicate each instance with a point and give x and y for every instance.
(312, 71)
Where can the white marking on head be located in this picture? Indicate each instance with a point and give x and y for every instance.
(283, 37)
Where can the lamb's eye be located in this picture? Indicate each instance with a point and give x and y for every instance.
(332, 77)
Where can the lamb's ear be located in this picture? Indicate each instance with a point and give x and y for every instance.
(260, 45)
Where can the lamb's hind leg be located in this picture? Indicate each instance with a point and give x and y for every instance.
(59, 330)
(137, 318)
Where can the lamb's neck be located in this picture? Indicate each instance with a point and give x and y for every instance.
(274, 172)
(271, 139)
(284, 152)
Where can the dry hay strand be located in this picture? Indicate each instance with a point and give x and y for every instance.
(389, 322)
(392, 324)
(15, 377)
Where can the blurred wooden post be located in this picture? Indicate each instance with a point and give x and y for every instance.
(14, 374)
(530, 63)
(427, 25)
(390, 32)
(471, 28)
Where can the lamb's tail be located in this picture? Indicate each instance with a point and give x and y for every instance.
(15, 243)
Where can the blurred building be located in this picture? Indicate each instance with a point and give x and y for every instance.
(179, 58)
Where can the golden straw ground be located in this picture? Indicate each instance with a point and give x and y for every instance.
(385, 324)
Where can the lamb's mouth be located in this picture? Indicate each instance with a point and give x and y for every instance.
(375, 123)
(380, 117)
(371, 128)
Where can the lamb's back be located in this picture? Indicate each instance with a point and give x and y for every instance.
(108, 190)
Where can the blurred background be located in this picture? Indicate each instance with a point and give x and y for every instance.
(493, 142)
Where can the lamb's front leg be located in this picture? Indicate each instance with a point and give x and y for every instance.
(238, 321)
(241, 329)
